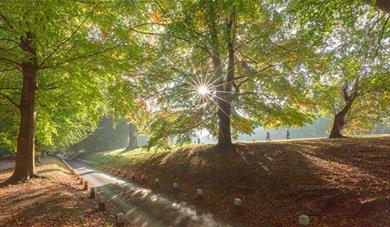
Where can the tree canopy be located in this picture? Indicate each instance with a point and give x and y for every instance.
(172, 67)
(62, 64)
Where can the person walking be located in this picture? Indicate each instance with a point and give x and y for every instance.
(268, 136)
(288, 135)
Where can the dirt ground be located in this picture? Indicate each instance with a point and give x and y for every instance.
(56, 199)
(337, 182)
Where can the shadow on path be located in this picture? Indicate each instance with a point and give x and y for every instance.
(142, 206)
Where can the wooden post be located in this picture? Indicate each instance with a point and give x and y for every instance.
(85, 185)
(102, 204)
(119, 220)
(98, 194)
(92, 193)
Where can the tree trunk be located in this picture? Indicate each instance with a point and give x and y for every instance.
(339, 121)
(225, 98)
(132, 137)
(224, 130)
(25, 159)
(383, 5)
(223, 95)
(223, 106)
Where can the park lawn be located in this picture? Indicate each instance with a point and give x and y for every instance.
(337, 182)
(56, 199)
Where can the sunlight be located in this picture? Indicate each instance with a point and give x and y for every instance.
(203, 90)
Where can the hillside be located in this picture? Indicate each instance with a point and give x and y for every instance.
(340, 182)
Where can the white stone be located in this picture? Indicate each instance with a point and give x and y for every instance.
(175, 185)
(156, 180)
(303, 220)
(237, 202)
(199, 191)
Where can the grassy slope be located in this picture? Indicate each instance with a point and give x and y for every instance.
(336, 182)
(55, 200)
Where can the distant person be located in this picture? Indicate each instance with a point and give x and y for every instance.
(198, 140)
(268, 136)
(288, 135)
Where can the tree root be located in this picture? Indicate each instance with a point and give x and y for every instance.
(17, 179)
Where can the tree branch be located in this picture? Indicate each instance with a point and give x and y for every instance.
(10, 40)
(264, 68)
(10, 100)
(5, 19)
(249, 41)
(383, 5)
(67, 39)
(142, 32)
(9, 88)
(382, 32)
(10, 61)
(79, 58)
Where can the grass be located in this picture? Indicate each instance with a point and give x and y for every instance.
(53, 200)
(337, 182)
(137, 157)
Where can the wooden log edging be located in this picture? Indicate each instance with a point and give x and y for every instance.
(72, 171)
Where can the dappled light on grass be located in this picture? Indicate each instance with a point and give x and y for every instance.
(331, 180)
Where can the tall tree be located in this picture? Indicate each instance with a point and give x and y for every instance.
(353, 59)
(132, 137)
(61, 57)
(230, 64)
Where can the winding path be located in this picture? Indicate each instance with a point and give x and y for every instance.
(6, 164)
(142, 206)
